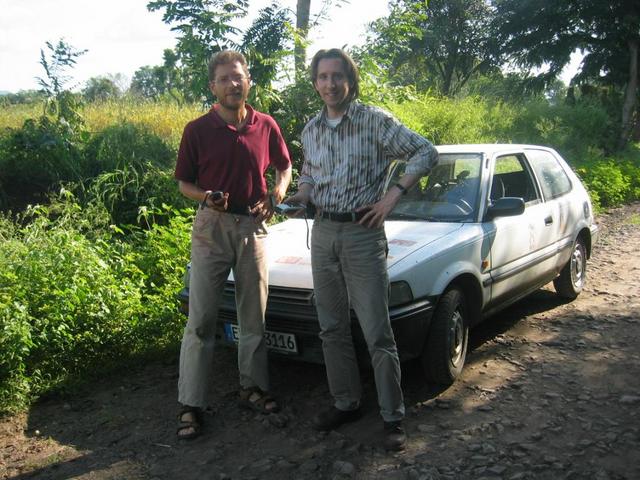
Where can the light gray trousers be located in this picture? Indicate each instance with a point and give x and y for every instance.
(221, 242)
(350, 268)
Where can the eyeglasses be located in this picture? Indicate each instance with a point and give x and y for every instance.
(228, 79)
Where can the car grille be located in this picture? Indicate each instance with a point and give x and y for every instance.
(288, 310)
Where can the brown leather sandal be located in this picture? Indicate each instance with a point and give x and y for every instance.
(190, 423)
(258, 400)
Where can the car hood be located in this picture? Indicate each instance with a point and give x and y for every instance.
(290, 260)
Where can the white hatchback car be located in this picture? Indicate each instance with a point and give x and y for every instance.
(489, 225)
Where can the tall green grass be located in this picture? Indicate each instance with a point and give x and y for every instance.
(165, 119)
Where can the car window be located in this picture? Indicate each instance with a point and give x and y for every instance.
(553, 179)
(512, 178)
(450, 193)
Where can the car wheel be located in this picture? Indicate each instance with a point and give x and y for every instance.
(446, 347)
(573, 275)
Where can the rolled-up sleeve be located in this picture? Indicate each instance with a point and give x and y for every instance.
(400, 141)
(305, 172)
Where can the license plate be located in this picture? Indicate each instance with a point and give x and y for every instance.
(277, 341)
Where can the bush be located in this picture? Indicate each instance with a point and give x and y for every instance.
(575, 131)
(162, 254)
(75, 300)
(612, 182)
(35, 158)
(447, 121)
(128, 192)
(126, 145)
(67, 304)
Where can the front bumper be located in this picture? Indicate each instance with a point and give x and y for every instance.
(293, 311)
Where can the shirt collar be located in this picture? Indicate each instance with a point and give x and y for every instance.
(218, 121)
(322, 117)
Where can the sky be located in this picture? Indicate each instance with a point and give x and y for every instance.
(122, 35)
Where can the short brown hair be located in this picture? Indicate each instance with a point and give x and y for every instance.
(224, 57)
(350, 68)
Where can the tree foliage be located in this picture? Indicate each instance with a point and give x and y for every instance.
(100, 89)
(543, 34)
(61, 102)
(160, 80)
(437, 44)
(205, 27)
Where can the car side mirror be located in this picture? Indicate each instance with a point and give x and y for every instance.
(505, 207)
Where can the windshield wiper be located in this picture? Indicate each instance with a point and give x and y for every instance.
(411, 216)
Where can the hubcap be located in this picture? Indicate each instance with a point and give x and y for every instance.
(457, 337)
(577, 266)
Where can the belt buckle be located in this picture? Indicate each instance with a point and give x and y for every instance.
(354, 217)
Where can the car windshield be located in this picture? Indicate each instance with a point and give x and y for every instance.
(448, 194)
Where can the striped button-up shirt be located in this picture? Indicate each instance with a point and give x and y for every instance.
(347, 165)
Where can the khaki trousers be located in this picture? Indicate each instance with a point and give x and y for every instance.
(221, 242)
(350, 268)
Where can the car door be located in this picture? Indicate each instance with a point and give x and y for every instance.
(562, 209)
(522, 252)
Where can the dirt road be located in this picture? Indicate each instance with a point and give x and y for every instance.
(551, 391)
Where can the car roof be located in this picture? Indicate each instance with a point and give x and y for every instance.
(487, 148)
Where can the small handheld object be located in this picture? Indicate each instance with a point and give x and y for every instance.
(288, 208)
(215, 196)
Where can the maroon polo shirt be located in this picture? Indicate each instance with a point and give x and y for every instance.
(217, 156)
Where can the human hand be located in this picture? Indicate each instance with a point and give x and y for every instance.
(263, 210)
(376, 213)
(218, 202)
(299, 198)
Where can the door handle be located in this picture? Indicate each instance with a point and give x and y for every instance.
(548, 220)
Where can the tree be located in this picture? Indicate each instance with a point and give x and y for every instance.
(154, 82)
(60, 58)
(304, 23)
(99, 89)
(203, 27)
(264, 44)
(436, 44)
(303, 8)
(61, 102)
(544, 34)
(206, 27)
(23, 96)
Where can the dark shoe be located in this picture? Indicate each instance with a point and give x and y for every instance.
(190, 423)
(332, 418)
(395, 437)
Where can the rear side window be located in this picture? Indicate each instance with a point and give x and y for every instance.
(553, 179)
(512, 178)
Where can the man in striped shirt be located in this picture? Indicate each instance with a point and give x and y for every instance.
(348, 148)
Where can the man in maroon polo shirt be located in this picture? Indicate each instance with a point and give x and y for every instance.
(222, 161)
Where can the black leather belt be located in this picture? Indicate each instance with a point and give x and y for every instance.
(238, 210)
(342, 216)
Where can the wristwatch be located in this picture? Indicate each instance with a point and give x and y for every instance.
(402, 188)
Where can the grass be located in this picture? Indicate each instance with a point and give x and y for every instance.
(165, 119)
(634, 219)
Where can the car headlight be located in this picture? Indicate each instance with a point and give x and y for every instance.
(399, 294)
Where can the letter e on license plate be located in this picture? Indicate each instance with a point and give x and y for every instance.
(276, 341)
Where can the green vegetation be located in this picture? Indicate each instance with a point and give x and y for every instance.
(77, 297)
(94, 236)
(88, 277)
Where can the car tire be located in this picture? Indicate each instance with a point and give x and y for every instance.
(446, 348)
(573, 275)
